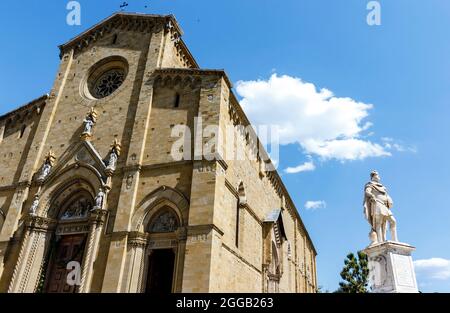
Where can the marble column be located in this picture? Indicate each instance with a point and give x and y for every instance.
(96, 221)
(137, 245)
(32, 251)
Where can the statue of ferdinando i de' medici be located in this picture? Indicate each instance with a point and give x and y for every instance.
(377, 210)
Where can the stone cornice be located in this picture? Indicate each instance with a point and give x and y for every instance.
(38, 223)
(193, 230)
(238, 116)
(132, 22)
(35, 105)
(192, 72)
(240, 257)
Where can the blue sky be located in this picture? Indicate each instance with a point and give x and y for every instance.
(395, 75)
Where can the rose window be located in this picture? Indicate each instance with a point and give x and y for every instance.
(107, 83)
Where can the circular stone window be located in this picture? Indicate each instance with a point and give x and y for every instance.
(105, 78)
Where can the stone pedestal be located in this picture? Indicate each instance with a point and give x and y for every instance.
(391, 268)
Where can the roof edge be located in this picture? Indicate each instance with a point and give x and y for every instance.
(99, 29)
(28, 105)
(115, 15)
(195, 71)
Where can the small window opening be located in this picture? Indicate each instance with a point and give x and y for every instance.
(22, 131)
(177, 100)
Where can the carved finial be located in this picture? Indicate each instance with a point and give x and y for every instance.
(50, 157)
(93, 114)
(116, 146)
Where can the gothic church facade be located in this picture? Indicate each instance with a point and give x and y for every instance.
(89, 188)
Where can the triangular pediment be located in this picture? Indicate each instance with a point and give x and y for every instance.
(82, 153)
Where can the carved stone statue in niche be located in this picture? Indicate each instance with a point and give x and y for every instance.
(164, 223)
(99, 199)
(89, 121)
(114, 155)
(34, 206)
(77, 209)
(49, 163)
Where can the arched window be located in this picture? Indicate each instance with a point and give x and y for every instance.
(164, 222)
(274, 273)
(177, 100)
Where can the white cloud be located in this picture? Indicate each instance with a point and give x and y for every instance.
(324, 125)
(314, 205)
(390, 144)
(307, 166)
(433, 268)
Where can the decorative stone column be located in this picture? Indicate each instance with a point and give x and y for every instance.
(391, 268)
(137, 244)
(96, 221)
(32, 251)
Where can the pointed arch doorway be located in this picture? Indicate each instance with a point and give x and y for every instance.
(69, 248)
(160, 271)
(68, 245)
(162, 253)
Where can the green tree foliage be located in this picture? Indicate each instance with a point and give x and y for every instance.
(355, 274)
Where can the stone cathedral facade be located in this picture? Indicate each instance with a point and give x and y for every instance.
(92, 199)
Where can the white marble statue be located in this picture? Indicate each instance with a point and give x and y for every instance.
(47, 166)
(99, 199)
(112, 162)
(88, 124)
(34, 206)
(89, 121)
(377, 210)
(114, 154)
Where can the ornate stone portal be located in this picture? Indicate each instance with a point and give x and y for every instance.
(391, 268)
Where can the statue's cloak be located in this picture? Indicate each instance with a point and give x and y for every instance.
(370, 206)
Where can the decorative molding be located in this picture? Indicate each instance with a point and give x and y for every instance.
(252, 213)
(130, 168)
(140, 23)
(203, 230)
(38, 223)
(182, 51)
(231, 188)
(194, 74)
(138, 239)
(98, 216)
(238, 117)
(236, 254)
(223, 164)
(182, 81)
(34, 106)
(23, 113)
